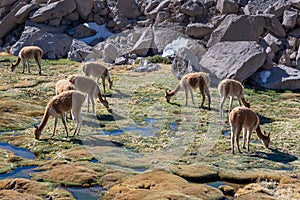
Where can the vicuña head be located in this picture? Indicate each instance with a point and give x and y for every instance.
(191, 81)
(246, 119)
(27, 53)
(231, 88)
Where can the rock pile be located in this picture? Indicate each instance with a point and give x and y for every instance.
(242, 38)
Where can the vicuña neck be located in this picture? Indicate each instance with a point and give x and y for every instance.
(260, 134)
(173, 92)
(100, 97)
(45, 119)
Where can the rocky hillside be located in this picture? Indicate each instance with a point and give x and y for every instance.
(241, 39)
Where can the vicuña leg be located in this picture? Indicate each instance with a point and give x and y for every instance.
(230, 102)
(221, 105)
(208, 95)
(248, 138)
(238, 132)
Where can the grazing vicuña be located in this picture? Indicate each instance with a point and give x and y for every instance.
(99, 71)
(89, 86)
(191, 81)
(246, 119)
(60, 104)
(27, 53)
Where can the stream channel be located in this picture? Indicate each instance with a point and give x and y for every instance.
(25, 171)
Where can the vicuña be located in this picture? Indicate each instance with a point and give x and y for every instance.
(191, 81)
(27, 53)
(246, 119)
(59, 105)
(99, 71)
(231, 88)
(89, 86)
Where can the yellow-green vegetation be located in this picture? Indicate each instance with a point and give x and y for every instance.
(155, 59)
(141, 129)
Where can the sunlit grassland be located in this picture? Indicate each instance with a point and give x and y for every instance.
(137, 100)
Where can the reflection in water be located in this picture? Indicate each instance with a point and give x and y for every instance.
(147, 130)
(20, 172)
(216, 184)
(78, 192)
(24, 153)
(91, 193)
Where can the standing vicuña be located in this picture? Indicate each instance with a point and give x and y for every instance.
(191, 81)
(26, 54)
(244, 118)
(89, 86)
(99, 71)
(231, 88)
(60, 104)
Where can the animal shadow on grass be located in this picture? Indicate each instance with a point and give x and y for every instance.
(264, 120)
(110, 117)
(95, 142)
(120, 94)
(275, 156)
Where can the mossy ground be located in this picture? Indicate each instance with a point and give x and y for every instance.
(179, 134)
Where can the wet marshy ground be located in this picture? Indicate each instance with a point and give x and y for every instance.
(140, 131)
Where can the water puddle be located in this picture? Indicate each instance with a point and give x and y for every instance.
(78, 192)
(91, 193)
(226, 133)
(94, 160)
(20, 172)
(216, 184)
(174, 127)
(146, 131)
(24, 153)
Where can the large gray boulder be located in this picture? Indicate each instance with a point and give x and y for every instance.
(54, 45)
(278, 78)
(80, 51)
(84, 8)
(245, 28)
(22, 15)
(199, 30)
(181, 42)
(110, 53)
(161, 6)
(237, 60)
(4, 3)
(185, 62)
(227, 6)
(164, 36)
(127, 8)
(193, 8)
(54, 10)
(144, 43)
(289, 18)
(9, 21)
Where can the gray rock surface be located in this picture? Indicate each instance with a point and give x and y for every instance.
(278, 78)
(54, 10)
(245, 28)
(237, 60)
(54, 45)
